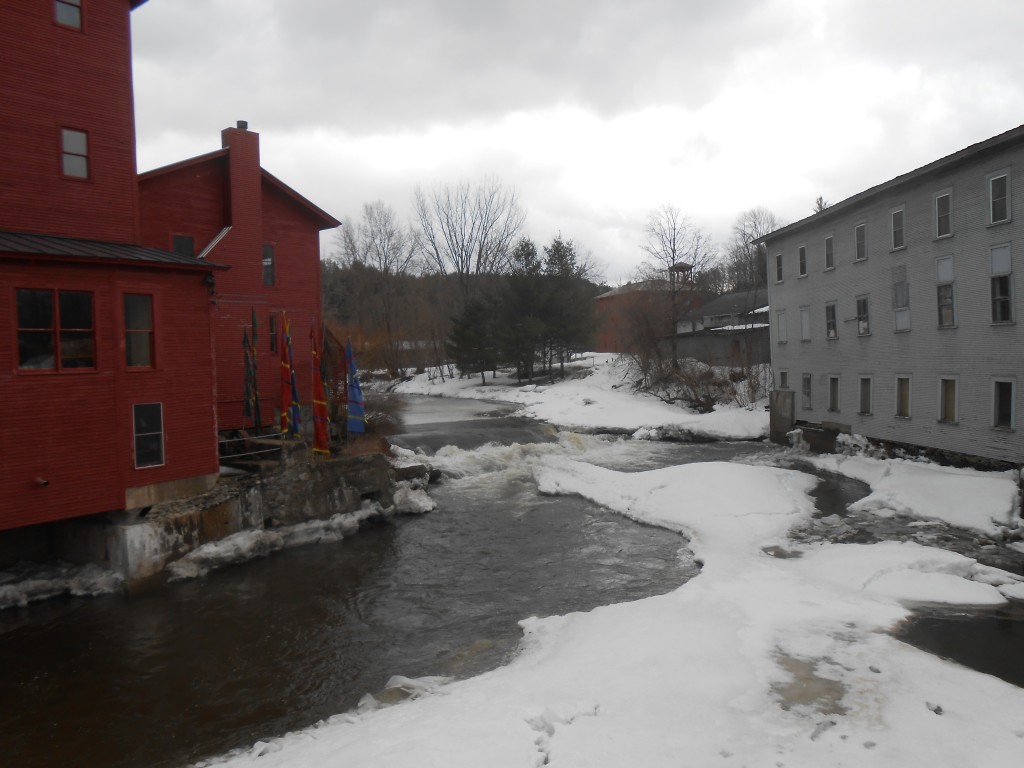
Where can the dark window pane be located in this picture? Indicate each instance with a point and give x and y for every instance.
(1004, 404)
(149, 439)
(138, 312)
(75, 310)
(184, 245)
(77, 349)
(149, 450)
(148, 418)
(35, 350)
(35, 309)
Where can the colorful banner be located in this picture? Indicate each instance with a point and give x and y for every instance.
(321, 420)
(356, 407)
(290, 414)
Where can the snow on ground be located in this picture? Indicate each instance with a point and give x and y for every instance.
(602, 399)
(775, 655)
(27, 582)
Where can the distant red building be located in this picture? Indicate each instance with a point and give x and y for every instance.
(224, 207)
(109, 326)
(640, 312)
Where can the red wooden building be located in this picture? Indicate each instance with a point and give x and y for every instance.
(223, 206)
(109, 326)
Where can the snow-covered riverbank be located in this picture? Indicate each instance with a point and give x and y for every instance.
(775, 655)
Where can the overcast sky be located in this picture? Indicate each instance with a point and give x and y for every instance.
(595, 111)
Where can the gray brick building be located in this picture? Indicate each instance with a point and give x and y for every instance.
(895, 314)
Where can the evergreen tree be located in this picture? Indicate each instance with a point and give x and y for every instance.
(520, 311)
(471, 343)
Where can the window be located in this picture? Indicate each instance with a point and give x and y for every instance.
(805, 323)
(268, 265)
(802, 252)
(138, 330)
(148, 420)
(943, 214)
(833, 394)
(183, 245)
(74, 147)
(778, 268)
(805, 392)
(55, 330)
(783, 379)
(1002, 283)
(863, 317)
(1003, 397)
(830, 256)
(860, 240)
(272, 333)
(780, 326)
(68, 13)
(831, 328)
(903, 397)
(900, 299)
(946, 292)
(865, 396)
(897, 230)
(999, 198)
(947, 400)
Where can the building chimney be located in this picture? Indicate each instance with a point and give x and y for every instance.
(242, 125)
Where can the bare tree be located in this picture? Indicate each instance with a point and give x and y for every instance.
(678, 251)
(820, 204)
(746, 262)
(469, 230)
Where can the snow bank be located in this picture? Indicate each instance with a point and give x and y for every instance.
(966, 498)
(758, 661)
(28, 582)
(598, 398)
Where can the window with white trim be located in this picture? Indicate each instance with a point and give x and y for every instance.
(948, 400)
(833, 394)
(898, 240)
(860, 239)
(1001, 264)
(802, 256)
(903, 397)
(780, 326)
(900, 299)
(805, 392)
(148, 429)
(945, 292)
(1004, 411)
(865, 396)
(778, 268)
(805, 323)
(783, 379)
(863, 316)
(999, 197)
(943, 214)
(831, 326)
(830, 254)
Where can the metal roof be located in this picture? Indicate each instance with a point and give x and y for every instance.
(738, 303)
(25, 244)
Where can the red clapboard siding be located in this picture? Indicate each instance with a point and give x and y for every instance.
(74, 430)
(55, 77)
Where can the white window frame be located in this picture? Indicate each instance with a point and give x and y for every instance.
(910, 396)
(806, 387)
(834, 394)
(989, 181)
(830, 253)
(863, 319)
(802, 261)
(778, 268)
(805, 323)
(1001, 271)
(936, 217)
(898, 244)
(1012, 381)
(942, 281)
(942, 399)
(831, 330)
(781, 335)
(860, 395)
(860, 242)
(784, 379)
(900, 300)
